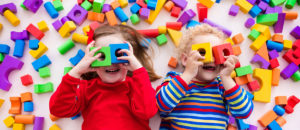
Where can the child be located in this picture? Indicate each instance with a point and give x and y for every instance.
(117, 97)
(197, 98)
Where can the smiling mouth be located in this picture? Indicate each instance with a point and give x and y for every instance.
(209, 67)
(112, 70)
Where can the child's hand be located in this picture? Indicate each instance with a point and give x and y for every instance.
(192, 65)
(229, 65)
(133, 61)
(84, 65)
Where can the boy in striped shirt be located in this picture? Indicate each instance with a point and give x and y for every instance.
(204, 94)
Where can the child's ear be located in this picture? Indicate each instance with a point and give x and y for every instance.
(183, 59)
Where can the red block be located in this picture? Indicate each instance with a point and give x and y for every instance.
(202, 12)
(175, 11)
(26, 80)
(274, 63)
(38, 34)
(174, 25)
(149, 32)
(220, 51)
(141, 3)
(79, 2)
(290, 56)
(253, 86)
(237, 65)
(291, 103)
(296, 44)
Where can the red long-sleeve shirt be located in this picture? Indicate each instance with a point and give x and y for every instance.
(120, 106)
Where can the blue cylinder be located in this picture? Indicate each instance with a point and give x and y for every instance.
(51, 10)
(121, 15)
(19, 48)
(271, 45)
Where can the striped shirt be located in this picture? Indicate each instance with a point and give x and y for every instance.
(199, 105)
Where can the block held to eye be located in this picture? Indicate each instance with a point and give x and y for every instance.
(104, 60)
(220, 51)
(114, 51)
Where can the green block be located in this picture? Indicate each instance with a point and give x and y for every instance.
(253, 34)
(267, 19)
(65, 47)
(146, 1)
(1, 57)
(243, 70)
(161, 39)
(298, 1)
(97, 5)
(296, 76)
(290, 4)
(105, 54)
(44, 72)
(23, 6)
(86, 5)
(43, 88)
(67, 70)
(134, 19)
(276, 2)
(58, 5)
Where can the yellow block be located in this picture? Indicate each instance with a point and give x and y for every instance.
(124, 23)
(207, 3)
(229, 40)
(0, 26)
(43, 26)
(11, 17)
(80, 38)
(18, 126)
(38, 52)
(263, 29)
(54, 127)
(162, 29)
(233, 74)
(287, 44)
(86, 29)
(68, 27)
(244, 5)
(154, 13)
(123, 3)
(9, 121)
(175, 36)
(259, 41)
(1, 102)
(264, 76)
(208, 51)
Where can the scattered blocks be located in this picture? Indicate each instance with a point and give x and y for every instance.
(11, 17)
(241, 71)
(19, 48)
(24, 119)
(28, 106)
(38, 34)
(66, 46)
(51, 10)
(26, 97)
(267, 118)
(67, 28)
(34, 44)
(234, 10)
(43, 88)
(173, 62)
(220, 51)
(43, 25)
(265, 78)
(9, 121)
(77, 14)
(40, 51)
(278, 110)
(281, 100)
(76, 59)
(44, 72)
(41, 62)
(16, 105)
(114, 52)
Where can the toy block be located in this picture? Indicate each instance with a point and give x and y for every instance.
(97, 5)
(202, 12)
(9, 121)
(243, 79)
(287, 44)
(96, 16)
(241, 71)
(274, 126)
(186, 16)
(233, 74)
(76, 59)
(296, 32)
(224, 30)
(252, 127)
(28, 106)
(241, 124)
(41, 62)
(26, 97)
(64, 19)
(66, 46)
(38, 34)
(39, 52)
(16, 105)
(111, 18)
(192, 23)
(19, 48)
(273, 54)
(296, 76)
(274, 63)
(53, 118)
(54, 127)
(264, 76)
(86, 5)
(175, 11)
(57, 25)
(123, 3)
(115, 4)
(237, 65)
(276, 2)
(180, 3)
(24, 119)
(220, 51)
(11, 17)
(281, 100)
(149, 32)
(244, 5)
(106, 8)
(237, 39)
(77, 14)
(19, 35)
(231, 120)
(4, 48)
(263, 29)
(67, 28)
(162, 29)
(174, 25)
(236, 50)
(205, 50)
(43, 25)
(290, 4)
(121, 14)
(43, 88)
(274, 45)
(94, 26)
(259, 41)
(1, 102)
(9, 6)
(289, 70)
(175, 36)
(249, 23)
(161, 39)
(231, 127)
(255, 10)
(234, 10)
(277, 38)
(151, 4)
(289, 56)
(253, 86)
(207, 3)
(38, 123)
(291, 103)
(281, 121)
(267, 118)
(86, 29)
(278, 110)
(291, 15)
(172, 62)
(51, 10)
(7, 66)
(114, 52)
(267, 19)
(44, 72)
(169, 5)
(134, 18)
(278, 26)
(80, 38)
(67, 70)
(18, 126)
(106, 59)
(58, 5)
(144, 13)
(275, 76)
(261, 61)
(1, 57)
(135, 8)
(33, 5)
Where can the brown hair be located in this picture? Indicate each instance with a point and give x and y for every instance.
(135, 39)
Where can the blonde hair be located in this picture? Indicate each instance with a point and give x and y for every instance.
(203, 29)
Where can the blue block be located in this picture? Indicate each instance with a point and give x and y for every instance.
(19, 48)
(121, 15)
(131, 1)
(135, 8)
(274, 46)
(250, 95)
(255, 11)
(266, 1)
(274, 126)
(76, 59)
(152, 4)
(75, 117)
(4, 48)
(51, 10)
(218, 1)
(34, 44)
(145, 43)
(241, 124)
(114, 48)
(41, 62)
(28, 106)
(279, 110)
(192, 23)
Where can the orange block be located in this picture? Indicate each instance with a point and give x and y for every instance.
(237, 39)
(277, 38)
(267, 118)
(173, 62)
(275, 76)
(115, 4)
(24, 119)
(243, 79)
(280, 100)
(281, 121)
(291, 15)
(231, 127)
(111, 18)
(16, 105)
(100, 17)
(263, 52)
(53, 118)
(26, 97)
(169, 5)
(237, 50)
(93, 16)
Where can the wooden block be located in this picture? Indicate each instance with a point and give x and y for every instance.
(26, 97)
(220, 51)
(172, 62)
(237, 50)
(259, 41)
(67, 28)
(264, 76)
(244, 5)
(207, 3)
(287, 44)
(16, 105)
(291, 15)
(205, 50)
(277, 38)
(275, 76)
(24, 119)
(237, 39)
(229, 40)
(281, 100)
(175, 36)
(267, 118)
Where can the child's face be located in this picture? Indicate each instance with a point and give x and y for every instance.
(115, 72)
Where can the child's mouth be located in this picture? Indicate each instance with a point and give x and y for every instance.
(112, 70)
(209, 67)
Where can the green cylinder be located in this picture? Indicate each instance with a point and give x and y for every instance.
(65, 47)
(296, 76)
(290, 4)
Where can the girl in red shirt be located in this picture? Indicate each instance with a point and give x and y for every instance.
(117, 97)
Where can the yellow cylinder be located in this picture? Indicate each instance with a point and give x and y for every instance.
(80, 38)
(11, 17)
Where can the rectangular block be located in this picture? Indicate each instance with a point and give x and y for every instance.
(205, 50)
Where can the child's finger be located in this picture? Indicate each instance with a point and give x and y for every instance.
(98, 56)
(123, 58)
(130, 46)
(127, 52)
(92, 52)
(87, 49)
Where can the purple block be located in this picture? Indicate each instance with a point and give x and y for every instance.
(270, 10)
(186, 16)
(180, 3)
(64, 19)
(33, 5)
(296, 32)
(77, 14)
(57, 25)
(19, 35)
(261, 61)
(224, 30)
(10, 6)
(106, 8)
(252, 127)
(273, 54)
(249, 23)
(251, 1)
(289, 70)
(278, 9)
(8, 65)
(233, 11)
(263, 6)
(278, 26)
(38, 123)
(231, 120)
(144, 13)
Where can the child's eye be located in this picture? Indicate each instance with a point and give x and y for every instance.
(102, 57)
(202, 51)
(118, 54)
